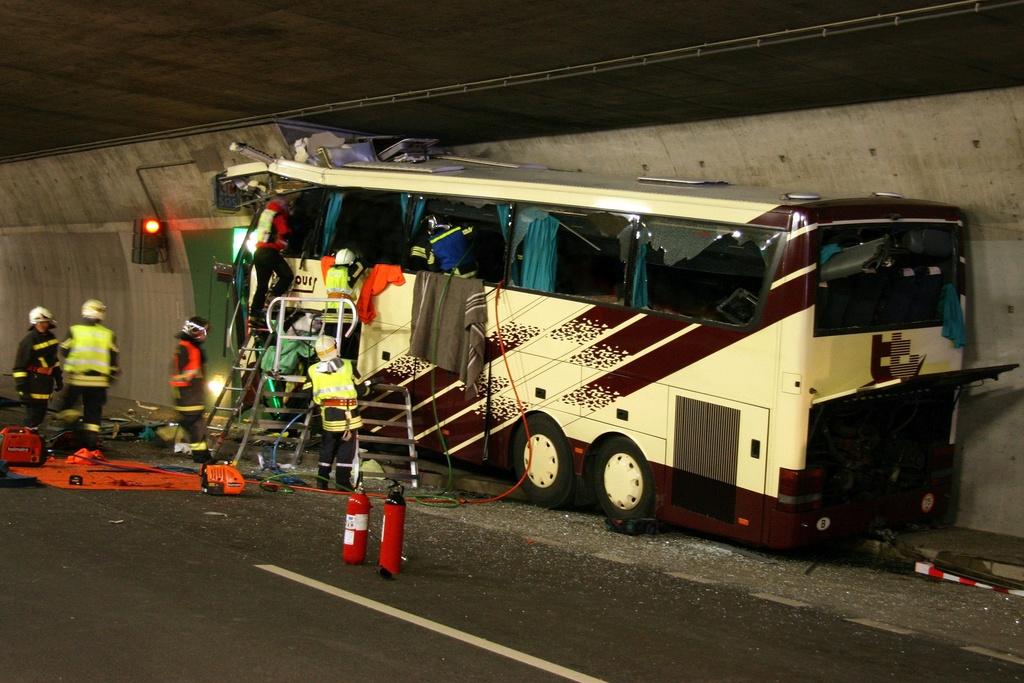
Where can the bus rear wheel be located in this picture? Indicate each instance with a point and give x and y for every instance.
(623, 481)
(550, 480)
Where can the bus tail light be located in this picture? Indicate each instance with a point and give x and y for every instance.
(800, 490)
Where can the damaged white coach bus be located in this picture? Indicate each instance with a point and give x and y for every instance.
(777, 369)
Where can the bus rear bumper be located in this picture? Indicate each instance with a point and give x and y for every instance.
(786, 530)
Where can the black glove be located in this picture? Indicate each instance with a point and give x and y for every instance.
(58, 383)
(22, 390)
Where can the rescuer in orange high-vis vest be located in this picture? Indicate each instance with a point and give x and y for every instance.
(37, 370)
(90, 364)
(272, 234)
(188, 373)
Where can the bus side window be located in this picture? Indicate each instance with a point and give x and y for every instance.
(712, 273)
(461, 236)
(570, 251)
(370, 224)
(302, 219)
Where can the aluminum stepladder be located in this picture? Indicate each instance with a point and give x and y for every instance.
(239, 385)
(387, 420)
(280, 418)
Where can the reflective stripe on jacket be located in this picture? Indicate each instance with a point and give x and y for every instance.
(338, 287)
(36, 365)
(333, 380)
(187, 376)
(272, 227)
(91, 355)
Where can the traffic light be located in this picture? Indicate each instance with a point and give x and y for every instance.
(149, 242)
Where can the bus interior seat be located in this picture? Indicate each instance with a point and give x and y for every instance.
(925, 305)
(902, 293)
(836, 297)
(928, 241)
(866, 295)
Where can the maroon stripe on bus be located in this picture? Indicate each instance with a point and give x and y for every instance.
(877, 208)
(642, 333)
(779, 217)
(612, 317)
(698, 344)
(797, 255)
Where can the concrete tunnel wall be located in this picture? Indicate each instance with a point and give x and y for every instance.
(965, 149)
(66, 225)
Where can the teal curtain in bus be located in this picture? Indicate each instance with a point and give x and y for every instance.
(503, 213)
(418, 207)
(640, 296)
(331, 220)
(540, 253)
(952, 316)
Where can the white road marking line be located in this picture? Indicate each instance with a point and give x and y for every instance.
(468, 638)
(779, 599)
(882, 626)
(1006, 657)
(691, 577)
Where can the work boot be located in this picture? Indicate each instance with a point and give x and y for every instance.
(321, 484)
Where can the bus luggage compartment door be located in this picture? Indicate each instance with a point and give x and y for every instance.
(717, 478)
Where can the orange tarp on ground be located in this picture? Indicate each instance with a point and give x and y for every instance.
(119, 475)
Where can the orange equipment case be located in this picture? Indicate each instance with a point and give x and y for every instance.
(21, 446)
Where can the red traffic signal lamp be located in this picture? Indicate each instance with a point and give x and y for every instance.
(149, 241)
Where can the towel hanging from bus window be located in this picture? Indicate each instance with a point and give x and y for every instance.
(952, 316)
(449, 315)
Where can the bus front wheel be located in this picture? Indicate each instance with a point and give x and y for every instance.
(623, 481)
(550, 479)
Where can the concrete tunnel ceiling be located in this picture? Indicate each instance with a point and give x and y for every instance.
(76, 75)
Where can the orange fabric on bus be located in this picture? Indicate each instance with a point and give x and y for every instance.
(109, 477)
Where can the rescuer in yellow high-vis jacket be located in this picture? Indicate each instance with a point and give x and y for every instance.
(335, 391)
(339, 285)
(37, 371)
(90, 364)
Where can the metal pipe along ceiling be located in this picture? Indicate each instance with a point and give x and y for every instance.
(818, 31)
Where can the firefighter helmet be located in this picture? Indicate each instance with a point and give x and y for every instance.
(325, 347)
(40, 314)
(344, 257)
(196, 326)
(95, 309)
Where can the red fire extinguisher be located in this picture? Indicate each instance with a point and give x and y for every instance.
(357, 524)
(392, 533)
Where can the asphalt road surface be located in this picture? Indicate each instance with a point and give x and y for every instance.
(180, 586)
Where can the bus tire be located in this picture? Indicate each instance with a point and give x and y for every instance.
(623, 482)
(551, 480)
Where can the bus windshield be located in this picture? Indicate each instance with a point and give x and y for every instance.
(883, 276)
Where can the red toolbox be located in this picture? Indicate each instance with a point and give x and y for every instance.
(21, 446)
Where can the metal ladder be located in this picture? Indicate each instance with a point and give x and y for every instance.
(388, 422)
(230, 404)
(248, 380)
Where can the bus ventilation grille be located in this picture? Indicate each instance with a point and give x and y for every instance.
(705, 458)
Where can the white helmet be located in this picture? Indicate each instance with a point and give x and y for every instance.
(344, 257)
(196, 326)
(325, 347)
(95, 309)
(40, 314)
